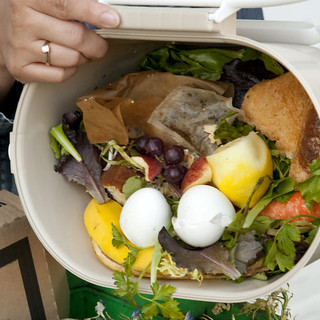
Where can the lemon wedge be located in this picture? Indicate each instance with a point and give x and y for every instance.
(238, 165)
(98, 220)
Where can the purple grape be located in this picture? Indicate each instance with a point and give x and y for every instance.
(173, 154)
(141, 144)
(175, 173)
(154, 147)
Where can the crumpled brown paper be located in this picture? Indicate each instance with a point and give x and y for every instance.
(121, 109)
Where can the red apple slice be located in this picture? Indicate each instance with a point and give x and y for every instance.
(199, 173)
(152, 167)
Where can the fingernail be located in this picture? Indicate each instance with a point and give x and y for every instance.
(110, 19)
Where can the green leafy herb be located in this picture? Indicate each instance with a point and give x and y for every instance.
(261, 224)
(281, 164)
(227, 132)
(124, 282)
(310, 188)
(281, 250)
(125, 285)
(161, 301)
(132, 185)
(118, 239)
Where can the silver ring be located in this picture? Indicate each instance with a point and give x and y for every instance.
(46, 50)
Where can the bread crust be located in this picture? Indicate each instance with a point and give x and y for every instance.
(118, 267)
(282, 110)
(308, 148)
(113, 180)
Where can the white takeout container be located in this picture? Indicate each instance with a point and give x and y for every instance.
(55, 207)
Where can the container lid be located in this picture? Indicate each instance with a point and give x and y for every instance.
(225, 9)
(178, 19)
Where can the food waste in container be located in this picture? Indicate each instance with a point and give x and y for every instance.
(55, 207)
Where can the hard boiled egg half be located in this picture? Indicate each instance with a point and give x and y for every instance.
(203, 213)
(143, 216)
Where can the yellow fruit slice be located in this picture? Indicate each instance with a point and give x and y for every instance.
(237, 167)
(98, 220)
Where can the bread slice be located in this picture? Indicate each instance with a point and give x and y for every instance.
(118, 267)
(113, 180)
(280, 108)
(181, 273)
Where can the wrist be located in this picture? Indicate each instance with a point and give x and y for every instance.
(6, 80)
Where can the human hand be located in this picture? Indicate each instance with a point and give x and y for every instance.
(25, 26)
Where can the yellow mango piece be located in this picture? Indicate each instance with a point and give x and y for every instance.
(98, 220)
(237, 167)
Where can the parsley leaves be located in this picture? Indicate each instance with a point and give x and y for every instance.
(161, 301)
(281, 250)
(310, 188)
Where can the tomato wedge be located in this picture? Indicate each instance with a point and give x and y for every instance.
(295, 206)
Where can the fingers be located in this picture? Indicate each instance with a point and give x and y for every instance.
(39, 72)
(72, 35)
(59, 56)
(88, 11)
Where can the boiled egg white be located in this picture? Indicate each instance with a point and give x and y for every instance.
(202, 215)
(143, 216)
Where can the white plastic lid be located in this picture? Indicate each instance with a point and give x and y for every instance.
(172, 19)
(226, 7)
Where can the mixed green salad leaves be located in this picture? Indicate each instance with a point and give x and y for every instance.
(206, 63)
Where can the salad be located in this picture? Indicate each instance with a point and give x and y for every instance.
(187, 186)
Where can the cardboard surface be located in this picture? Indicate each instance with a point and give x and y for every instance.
(27, 290)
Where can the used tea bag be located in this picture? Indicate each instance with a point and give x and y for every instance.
(185, 113)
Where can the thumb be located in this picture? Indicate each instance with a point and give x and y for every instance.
(88, 11)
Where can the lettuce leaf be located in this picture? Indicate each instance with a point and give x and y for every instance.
(202, 63)
(310, 188)
(86, 172)
(214, 259)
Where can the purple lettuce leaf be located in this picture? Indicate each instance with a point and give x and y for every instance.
(87, 172)
(214, 259)
(248, 251)
(70, 125)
